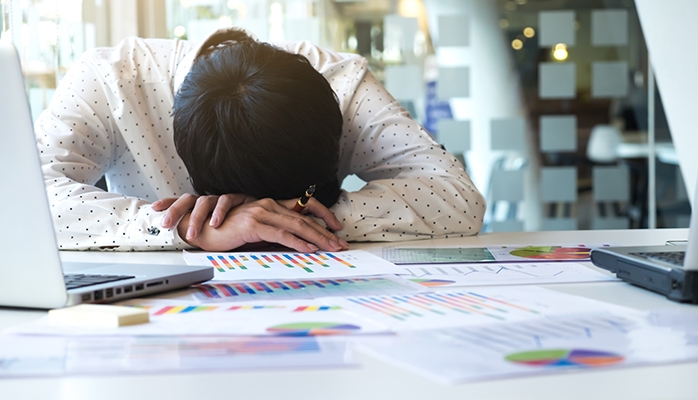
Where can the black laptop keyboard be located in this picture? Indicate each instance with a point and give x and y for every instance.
(671, 257)
(74, 281)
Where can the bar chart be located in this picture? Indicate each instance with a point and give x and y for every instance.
(219, 291)
(273, 265)
(475, 307)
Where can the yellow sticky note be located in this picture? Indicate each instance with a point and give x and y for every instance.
(99, 315)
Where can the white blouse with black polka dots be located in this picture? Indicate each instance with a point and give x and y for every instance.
(111, 116)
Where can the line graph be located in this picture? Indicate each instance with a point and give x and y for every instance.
(501, 274)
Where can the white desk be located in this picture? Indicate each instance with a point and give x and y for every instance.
(377, 380)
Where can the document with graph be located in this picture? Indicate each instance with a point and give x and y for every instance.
(30, 356)
(294, 289)
(467, 307)
(278, 265)
(260, 318)
(495, 254)
(452, 275)
(614, 338)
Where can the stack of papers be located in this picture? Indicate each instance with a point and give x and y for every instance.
(450, 321)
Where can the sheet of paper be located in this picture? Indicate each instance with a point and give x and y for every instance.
(473, 307)
(508, 253)
(271, 265)
(274, 318)
(224, 291)
(453, 275)
(24, 356)
(544, 346)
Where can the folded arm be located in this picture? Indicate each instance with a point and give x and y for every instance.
(415, 188)
(78, 142)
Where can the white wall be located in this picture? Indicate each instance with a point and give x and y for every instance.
(669, 29)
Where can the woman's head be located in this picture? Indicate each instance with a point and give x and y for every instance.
(252, 118)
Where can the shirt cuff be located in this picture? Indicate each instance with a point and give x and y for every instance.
(147, 233)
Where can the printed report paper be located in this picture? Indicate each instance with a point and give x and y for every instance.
(600, 340)
(276, 265)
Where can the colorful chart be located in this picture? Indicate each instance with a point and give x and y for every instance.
(316, 308)
(313, 329)
(552, 253)
(441, 305)
(448, 309)
(262, 266)
(433, 282)
(169, 310)
(187, 309)
(565, 358)
(302, 288)
(306, 262)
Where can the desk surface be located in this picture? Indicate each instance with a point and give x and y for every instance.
(375, 379)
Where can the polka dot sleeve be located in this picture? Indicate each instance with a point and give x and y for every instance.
(415, 188)
(80, 140)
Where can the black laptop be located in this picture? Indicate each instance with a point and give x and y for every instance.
(671, 270)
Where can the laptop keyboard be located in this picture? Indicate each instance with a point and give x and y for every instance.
(671, 257)
(74, 281)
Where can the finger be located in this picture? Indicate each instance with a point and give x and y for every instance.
(163, 204)
(225, 203)
(302, 227)
(317, 209)
(177, 209)
(203, 207)
(278, 214)
(283, 237)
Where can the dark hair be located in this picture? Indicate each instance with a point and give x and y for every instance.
(252, 118)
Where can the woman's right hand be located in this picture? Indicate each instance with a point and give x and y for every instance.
(200, 207)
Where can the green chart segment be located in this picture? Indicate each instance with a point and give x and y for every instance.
(552, 253)
(565, 358)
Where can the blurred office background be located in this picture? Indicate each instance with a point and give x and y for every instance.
(550, 104)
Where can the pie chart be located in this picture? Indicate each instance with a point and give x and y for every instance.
(433, 282)
(313, 329)
(552, 252)
(565, 358)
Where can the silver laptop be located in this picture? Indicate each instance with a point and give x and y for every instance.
(671, 270)
(31, 272)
